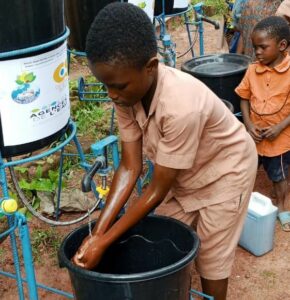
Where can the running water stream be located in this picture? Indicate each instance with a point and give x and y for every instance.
(90, 222)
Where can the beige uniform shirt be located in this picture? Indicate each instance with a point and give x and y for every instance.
(189, 128)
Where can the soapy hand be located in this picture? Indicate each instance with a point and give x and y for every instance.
(90, 252)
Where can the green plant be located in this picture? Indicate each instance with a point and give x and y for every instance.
(219, 5)
(3, 253)
(92, 119)
(45, 241)
(38, 183)
(73, 85)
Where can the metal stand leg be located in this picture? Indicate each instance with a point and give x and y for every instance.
(27, 257)
(16, 260)
(57, 212)
(17, 220)
(11, 223)
(188, 33)
(200, 295)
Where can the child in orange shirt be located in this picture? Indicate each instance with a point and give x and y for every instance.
(265, 104)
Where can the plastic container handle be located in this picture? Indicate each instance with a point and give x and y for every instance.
(262, 200)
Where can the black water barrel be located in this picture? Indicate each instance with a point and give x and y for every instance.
(79, 15)
(168, 9)
(171, 7)
(27, 23)
(222, 73)
(150, 261)
(34, 98)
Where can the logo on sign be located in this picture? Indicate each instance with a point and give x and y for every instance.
(48, 111)
(26, 91)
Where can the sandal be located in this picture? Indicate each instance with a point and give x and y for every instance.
(284, 218)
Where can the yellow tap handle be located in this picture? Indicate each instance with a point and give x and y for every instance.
(9, 206)
(103, 192)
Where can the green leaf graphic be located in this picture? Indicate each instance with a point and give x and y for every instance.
(142, 5)
(29, 77)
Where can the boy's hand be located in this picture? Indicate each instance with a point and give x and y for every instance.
(90, 252)
(271, 132)
(255, 132)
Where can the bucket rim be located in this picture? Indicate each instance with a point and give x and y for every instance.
(185, 65)
(142, 276)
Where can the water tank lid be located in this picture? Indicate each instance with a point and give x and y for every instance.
(217, 65)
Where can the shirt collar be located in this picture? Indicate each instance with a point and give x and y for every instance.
(159, 86)
(138, 108)
(281, 68)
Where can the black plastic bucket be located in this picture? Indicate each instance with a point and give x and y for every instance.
(222, 73)
(151, 261)
(27, 23)
(79, 15)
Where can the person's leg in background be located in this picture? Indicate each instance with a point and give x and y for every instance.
(281, 191)
(277, 170)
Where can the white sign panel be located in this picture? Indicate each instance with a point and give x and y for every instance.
(34, 96)
(181, 3)
(146, 5)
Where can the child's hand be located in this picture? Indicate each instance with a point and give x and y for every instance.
(271, 132)
(90, 252)
(255, 132)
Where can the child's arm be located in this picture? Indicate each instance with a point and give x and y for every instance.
(90, 253)
(254, 130)
(272, 132)
(121, 188)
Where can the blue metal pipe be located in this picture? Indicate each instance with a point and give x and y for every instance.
(27, 256)
(16, 259)
(11, 223)
(198, 11)
(59, 184)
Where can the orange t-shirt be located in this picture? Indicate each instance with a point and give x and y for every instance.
(268, 90)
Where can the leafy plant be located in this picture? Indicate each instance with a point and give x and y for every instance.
(219, 5)
(45, 241)
(39, 183)
(92, 118)
(73, 85)
(3, 253)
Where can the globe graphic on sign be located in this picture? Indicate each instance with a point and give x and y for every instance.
(25, 93)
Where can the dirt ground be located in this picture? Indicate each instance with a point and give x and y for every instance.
(254, 278)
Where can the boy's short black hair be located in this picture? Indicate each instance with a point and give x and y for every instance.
(121, 33)
(276, 27)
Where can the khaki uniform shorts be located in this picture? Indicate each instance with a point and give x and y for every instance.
(219, 227)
